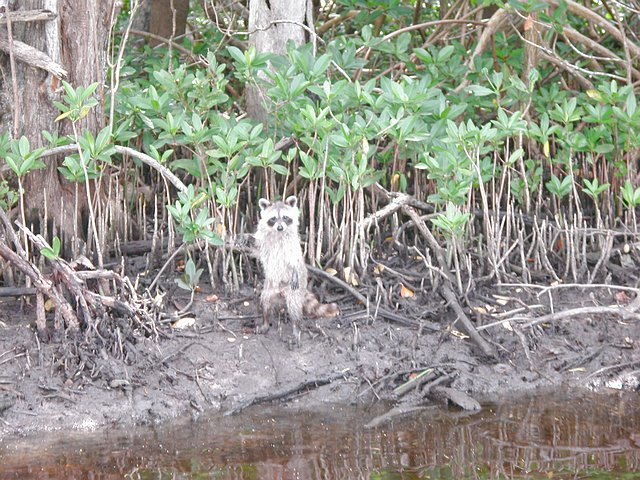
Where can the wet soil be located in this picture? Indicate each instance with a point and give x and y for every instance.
(220, 365)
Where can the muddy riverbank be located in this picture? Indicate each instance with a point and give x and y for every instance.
(219, 364)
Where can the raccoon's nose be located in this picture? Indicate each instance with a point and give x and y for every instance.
(280, 227)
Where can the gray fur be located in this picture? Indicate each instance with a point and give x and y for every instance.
(279, 251)
(285, 273)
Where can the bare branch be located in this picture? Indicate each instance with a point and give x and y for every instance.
(27, 16)
(32, 56)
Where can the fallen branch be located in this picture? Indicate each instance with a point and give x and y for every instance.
(460, 399)
(390, 208)
(42, 284)
(447, 286)
(17, 291)
(432, 391)
(384, 313)
(288, 392)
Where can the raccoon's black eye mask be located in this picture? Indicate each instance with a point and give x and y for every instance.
(272, 221)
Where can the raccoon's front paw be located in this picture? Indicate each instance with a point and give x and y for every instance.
(295, 281)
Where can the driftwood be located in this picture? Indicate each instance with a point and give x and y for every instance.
(451, 396)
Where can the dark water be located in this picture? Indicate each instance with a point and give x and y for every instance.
(546, 436)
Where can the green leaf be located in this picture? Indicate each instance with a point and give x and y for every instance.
(631, 104)
(480, 91)
(281, 169)
(48, 253)
(515, 156)
(237, 54)
(23, 146)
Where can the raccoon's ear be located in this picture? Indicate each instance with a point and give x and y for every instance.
(263, 203)
(292, 201)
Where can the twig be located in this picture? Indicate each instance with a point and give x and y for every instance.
(164, 267)
(167, 41)
(14, 78)
(393, 206)
(546, 288)
(393, 413)
(420, 26)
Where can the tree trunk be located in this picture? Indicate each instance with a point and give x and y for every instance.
(77, 39)
(271, 24)
(168, 19)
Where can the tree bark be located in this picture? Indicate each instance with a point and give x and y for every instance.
(271, 24)
(168, 19)
(76, 39)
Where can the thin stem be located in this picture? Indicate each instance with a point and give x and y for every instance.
(92, 217)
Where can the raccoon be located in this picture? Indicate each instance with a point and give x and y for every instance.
(285, 273)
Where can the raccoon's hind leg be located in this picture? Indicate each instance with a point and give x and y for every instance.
(294, 308)
(268, 300)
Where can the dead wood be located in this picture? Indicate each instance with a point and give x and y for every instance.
(427, 386)
(288, 392)
(382, 312)
(447, 287)
(31, 56)
(424, 381)
(42, 284)
(27, 16)
(624, 312)
(90, 307)
(17, 291)
(460, 399)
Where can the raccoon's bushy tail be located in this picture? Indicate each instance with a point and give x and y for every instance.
(313, 307)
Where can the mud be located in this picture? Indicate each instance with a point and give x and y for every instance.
(218, 363)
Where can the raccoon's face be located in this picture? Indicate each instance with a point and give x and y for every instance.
(279, 216)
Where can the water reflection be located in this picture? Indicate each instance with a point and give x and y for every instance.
(529, 438)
